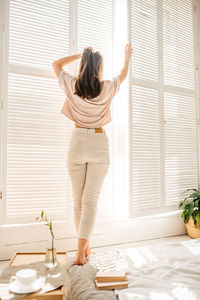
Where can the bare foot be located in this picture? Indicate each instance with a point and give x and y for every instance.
(80, 254)
(88, 251)
(80, 258)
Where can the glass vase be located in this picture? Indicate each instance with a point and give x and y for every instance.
(51, 256)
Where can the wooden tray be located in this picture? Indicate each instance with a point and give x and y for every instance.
(30, 257)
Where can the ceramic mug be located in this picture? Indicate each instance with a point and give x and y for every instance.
(24, 277)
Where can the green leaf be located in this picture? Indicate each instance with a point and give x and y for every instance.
(37, 218)
(42, 213)
(190, 208)
(186, 206)
(189, 190)
(50, 225)
(186, 198)
(194, 216)
(180, 204)
(194, 195)
(198, 218)
(182, 215)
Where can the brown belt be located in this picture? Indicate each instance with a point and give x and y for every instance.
(100, 129)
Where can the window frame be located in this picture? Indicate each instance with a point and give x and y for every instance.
(126, 230)
(161, 88)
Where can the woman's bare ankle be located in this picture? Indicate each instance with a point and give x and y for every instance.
(81, 251)
(82, 244)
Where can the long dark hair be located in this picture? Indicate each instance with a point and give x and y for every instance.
(88, 83)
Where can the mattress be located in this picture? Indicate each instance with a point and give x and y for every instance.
(161, 271)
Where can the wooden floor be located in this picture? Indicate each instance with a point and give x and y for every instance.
(4, 263)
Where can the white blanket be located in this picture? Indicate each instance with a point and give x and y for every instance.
(163, 272)
(156, 272)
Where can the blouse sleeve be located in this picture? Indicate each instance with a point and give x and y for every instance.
(114, 85)
(65, 80)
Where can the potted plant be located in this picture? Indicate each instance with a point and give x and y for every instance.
(50, 259)
(191, 212)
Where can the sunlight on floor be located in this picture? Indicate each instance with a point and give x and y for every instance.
(193, 246)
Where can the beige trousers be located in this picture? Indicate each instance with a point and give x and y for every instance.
(88, 161)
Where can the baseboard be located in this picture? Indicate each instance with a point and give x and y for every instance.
(32, 237)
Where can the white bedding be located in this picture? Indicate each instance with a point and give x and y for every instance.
(164, 272)
(156, 272)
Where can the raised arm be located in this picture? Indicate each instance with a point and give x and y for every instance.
(58, 64)
(127, 56)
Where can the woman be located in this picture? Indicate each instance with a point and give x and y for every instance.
(88, 105)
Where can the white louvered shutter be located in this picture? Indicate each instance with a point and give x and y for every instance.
(144, 131)
(37, 134)
(179, 99)
(163, 119)
(94, 28)
(1, 94)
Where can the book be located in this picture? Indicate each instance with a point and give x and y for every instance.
(111, 276)
(111, 285)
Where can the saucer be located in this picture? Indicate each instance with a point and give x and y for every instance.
(23, 290)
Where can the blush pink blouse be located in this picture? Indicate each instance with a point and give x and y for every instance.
(89, 113)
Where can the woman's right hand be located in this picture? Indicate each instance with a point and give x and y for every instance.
(128, 52)
(127, 55)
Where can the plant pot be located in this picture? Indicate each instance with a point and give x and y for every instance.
(192, 229)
